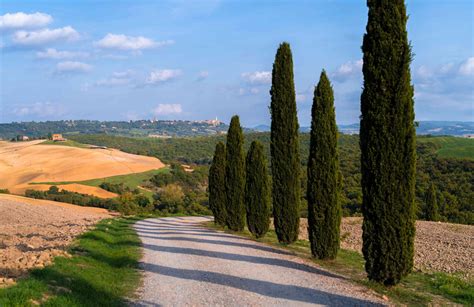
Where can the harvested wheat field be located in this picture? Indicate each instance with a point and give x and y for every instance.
(34, 231)
(441, 247)
(24, 162)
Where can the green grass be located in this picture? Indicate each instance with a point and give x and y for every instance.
(451, 147)
(102, 271)
(131, 181)
(69, 143)
(417, 289)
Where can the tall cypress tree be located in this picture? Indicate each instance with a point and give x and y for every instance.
(285, 148)
(235, 176)
(257, 191)
(217, 196)
(387, 141)
(324, 178)
(432, 213)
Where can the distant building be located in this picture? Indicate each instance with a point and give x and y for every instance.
(24, 138)
(57, 137)
(468, 136)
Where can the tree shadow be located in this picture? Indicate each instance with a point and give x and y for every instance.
(216, 235)
(266, 288)
(221, 242)
(244, 258)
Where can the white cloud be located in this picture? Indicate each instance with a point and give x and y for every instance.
(133, 43)
(52, 53)
(72, 67)
(203, 75)
(22, 20)
(44, 36)
(39, 109)
(467, 67)
(300, 97)
(347, 70)
(258, 77)
(167, 109)
(117, 79)
(163, 75)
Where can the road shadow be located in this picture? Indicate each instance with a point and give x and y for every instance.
(221, 242)
(266, 288)
(214, 235)
(245, 258)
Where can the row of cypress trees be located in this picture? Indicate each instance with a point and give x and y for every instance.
(238, 185)
(387, 142)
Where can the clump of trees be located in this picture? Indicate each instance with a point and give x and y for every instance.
(388, 156)
(387, 142)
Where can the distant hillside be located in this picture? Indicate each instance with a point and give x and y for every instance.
(139, 128)
(425, 127)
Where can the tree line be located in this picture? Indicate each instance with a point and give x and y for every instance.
(239, 186)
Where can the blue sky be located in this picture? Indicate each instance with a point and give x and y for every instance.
(122, 60)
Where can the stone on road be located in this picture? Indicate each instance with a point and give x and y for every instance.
(186, 264)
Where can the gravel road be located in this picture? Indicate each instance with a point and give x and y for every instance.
(186, 264)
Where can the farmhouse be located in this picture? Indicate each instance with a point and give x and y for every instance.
(58, 137)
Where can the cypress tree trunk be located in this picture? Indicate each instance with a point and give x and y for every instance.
(257, 197)
(387, 141)
(235, 176)
(432, 213)
(217, 196)
(285, 148)
(324, 178)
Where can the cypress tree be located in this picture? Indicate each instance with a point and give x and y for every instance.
(217, 196)
(257, 196)
(284, 148)
(235, 176)
(324, 178)
(387, 141)
(432, 213)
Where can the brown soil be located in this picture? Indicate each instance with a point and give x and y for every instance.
(441, 247)
(27, 162)
(34, 231)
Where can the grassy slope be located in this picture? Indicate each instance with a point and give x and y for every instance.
(452, 147)
(69, 143)
(101, 272)
(417, 289)
(131, 181)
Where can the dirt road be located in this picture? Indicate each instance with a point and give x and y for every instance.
(186, 264)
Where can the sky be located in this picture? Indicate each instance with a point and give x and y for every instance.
(201, 59)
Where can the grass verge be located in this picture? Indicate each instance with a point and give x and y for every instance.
(417, 289)
(101, 272)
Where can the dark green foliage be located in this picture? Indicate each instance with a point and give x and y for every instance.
(217, 196)
(72, 198)
(324, 178)
(235, 176)
(387, 140)
(453, 177)
(257, 191)
(285, 148)
(432, 213)
(118, 188)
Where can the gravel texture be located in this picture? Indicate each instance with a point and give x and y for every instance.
(186, 264)
(442, 247)
(34, 231)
